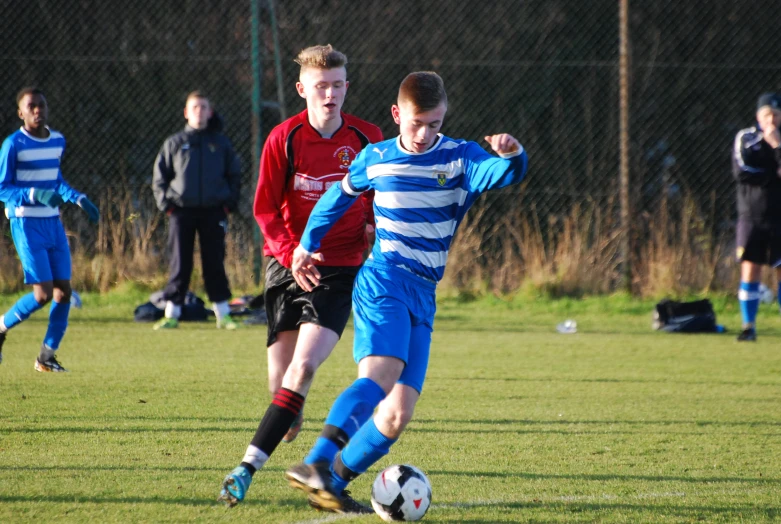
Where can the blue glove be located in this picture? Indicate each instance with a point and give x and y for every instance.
(48, 197)
(93, 213)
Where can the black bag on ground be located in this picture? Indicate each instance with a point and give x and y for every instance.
(148, 313)
(685, 317)
(193, 309)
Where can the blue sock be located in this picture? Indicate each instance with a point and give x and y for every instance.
(749, 302)
(349, 412)
(58, 323)
(21, 311)
(366, 447)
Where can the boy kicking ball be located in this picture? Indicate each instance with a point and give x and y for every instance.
(424, 183)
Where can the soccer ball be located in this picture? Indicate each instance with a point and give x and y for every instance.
(765, 294)
(401, 493)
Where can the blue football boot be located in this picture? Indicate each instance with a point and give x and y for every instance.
(235, 486)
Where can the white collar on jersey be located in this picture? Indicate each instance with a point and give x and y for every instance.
(440, 136)
(31, 137)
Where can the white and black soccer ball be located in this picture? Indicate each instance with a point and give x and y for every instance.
(766, 295)
(401, 493)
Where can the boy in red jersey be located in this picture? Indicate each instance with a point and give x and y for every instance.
(302, 157)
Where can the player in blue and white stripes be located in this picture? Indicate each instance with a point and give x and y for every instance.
(424, 183)
(32, 189)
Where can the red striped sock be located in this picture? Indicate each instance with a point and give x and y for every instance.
(279, 416)
(289, 400)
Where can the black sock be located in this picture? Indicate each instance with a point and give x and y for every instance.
(276, 422)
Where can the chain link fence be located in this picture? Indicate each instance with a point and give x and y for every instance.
(116, 75)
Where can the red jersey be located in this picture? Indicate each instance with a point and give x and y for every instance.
(296, 168)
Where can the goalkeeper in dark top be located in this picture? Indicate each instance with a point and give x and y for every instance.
(756, 165)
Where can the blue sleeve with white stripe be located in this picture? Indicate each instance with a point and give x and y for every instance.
(357, 179)
(10, 193)
(485, 171)
(334, 203)
(63, 189)
(67, 192)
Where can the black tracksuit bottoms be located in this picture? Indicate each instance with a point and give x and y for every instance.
(211, 224)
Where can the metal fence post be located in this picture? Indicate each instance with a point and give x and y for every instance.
(623, 73)
(257, 134)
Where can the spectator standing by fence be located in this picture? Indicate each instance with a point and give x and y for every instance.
(196, 182)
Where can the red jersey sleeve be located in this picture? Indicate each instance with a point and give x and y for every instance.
(270, 196)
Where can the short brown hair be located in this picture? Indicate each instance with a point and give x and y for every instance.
(424, 89)
(197, 94)
(321, 57)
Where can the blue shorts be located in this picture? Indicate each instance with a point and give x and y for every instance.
(43, 249)
(393, 315)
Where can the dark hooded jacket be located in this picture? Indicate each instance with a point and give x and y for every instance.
(197, 169)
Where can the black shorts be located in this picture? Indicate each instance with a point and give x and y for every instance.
(288, 306)
(759, 243)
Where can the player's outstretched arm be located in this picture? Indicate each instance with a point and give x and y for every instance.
(328, 210)
(485, 171)
(303, 268)
(68, 194)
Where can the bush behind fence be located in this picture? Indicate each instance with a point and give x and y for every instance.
(547, 71)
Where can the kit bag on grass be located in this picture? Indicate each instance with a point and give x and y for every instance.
(685, 317)
(193, 309)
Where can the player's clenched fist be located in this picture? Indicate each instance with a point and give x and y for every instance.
(503, 143)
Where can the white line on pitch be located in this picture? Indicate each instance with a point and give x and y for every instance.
(483, 503)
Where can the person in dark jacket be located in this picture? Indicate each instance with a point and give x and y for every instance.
(756, 165)
(196, 182)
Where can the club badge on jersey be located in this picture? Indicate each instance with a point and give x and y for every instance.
(345, 155)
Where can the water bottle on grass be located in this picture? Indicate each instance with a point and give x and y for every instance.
(567, 327)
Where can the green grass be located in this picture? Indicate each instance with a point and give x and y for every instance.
(517, 422)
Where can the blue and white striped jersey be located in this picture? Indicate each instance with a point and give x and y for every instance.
(419, 201)
(26, 164)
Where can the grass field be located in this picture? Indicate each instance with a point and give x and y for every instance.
(517, 422)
